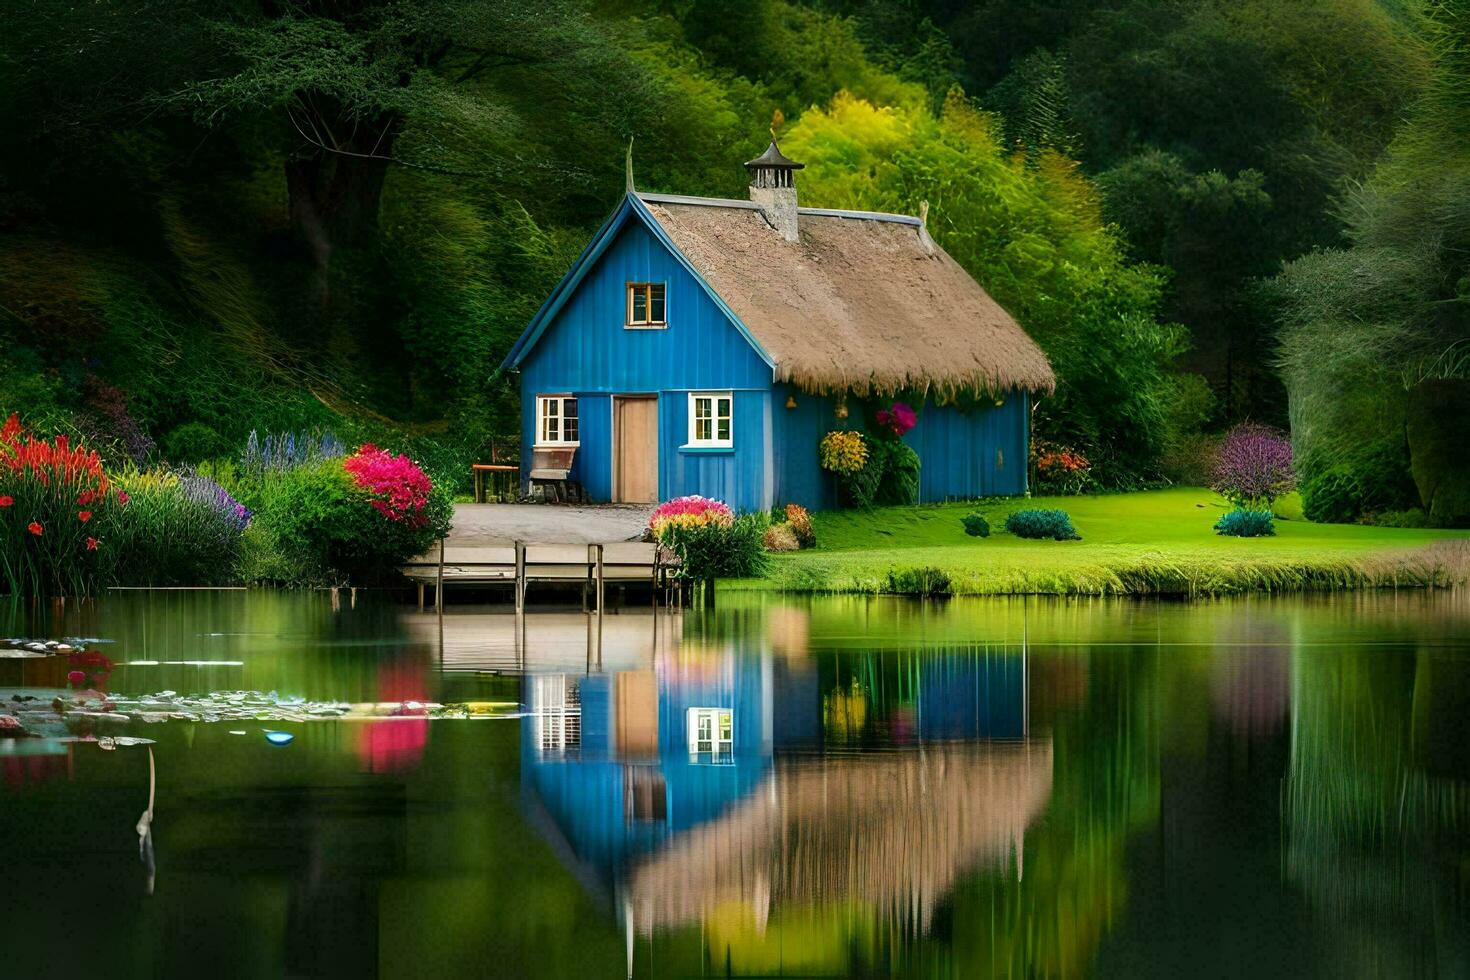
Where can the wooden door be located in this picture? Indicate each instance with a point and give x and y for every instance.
(635, 448)
(635, 706)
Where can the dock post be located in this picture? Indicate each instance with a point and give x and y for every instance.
(520, 576)
(601, 581)
(421, 597)
(439, 582)
(587, 583)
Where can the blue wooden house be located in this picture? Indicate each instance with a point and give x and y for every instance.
(701, 345)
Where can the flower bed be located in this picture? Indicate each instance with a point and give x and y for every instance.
(56, 506)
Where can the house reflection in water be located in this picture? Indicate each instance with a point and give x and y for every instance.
(751, 777)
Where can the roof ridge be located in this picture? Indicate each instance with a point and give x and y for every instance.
(727, 202)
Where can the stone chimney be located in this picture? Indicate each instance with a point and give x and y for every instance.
(773, 188)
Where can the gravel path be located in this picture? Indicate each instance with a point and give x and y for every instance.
(497, 524)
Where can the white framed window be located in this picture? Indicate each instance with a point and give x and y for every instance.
(710, 423)
(556, 707)
(647, 305)
(711, 731)
(556, 420)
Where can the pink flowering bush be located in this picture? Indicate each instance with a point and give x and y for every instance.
(709, 540)
(691, 511)
(395, 485)
(1254, 466)
(355, 518)
(897, 419)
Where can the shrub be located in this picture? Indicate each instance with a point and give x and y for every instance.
(976, 526)
(395, 485)
(898, 482)
(1413, 517)
(1038, 523)
(194, 442)
(361, 517)
(57, 508)
(926, 581)
(801, 525)
(1245, 522)
(715, 547)
(843, 453)
(176, 531)
(781, 537)
(1254, 466)
(860, 488)
(1332, 496)
(1060, 469)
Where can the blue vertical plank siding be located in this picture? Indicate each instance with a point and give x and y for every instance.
(963, 452)
(975, 451)
(740, 475)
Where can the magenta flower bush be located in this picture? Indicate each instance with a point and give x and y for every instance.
(397, 488)
(897, 419)
(1254, 466)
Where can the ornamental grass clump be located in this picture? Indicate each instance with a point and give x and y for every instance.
(1254, 466)
(57, 507)
(176, 530)
(1042, 524)
(1245, 523)
(801, 525)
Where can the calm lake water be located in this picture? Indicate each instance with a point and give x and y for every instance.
(777, 787)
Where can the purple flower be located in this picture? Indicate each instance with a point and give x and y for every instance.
(1254, 466)
(202, 489)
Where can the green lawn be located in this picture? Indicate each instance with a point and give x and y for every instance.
(1155, 542)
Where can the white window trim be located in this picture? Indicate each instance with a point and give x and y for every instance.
(718, 747)
(628, 322)
(543, 443)
(714, 396)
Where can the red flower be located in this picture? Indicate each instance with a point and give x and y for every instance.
(122, 497)
(35, 528)
(85, 499)
(84, 516)
(91, 544)
(76, 677)
(6, 500)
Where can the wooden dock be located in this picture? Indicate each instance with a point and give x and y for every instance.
(518, 565)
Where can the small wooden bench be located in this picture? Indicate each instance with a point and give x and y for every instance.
(500, 474)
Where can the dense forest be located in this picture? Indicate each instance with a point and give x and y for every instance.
(219, 217)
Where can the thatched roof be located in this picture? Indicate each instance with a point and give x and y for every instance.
(862, 302)
(894, 831)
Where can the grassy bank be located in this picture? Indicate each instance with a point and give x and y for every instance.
(1158, 542)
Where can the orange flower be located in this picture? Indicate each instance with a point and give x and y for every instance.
(35, 528)
(91, 544)
(84, 516)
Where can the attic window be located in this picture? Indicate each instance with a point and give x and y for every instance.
(646, 305)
